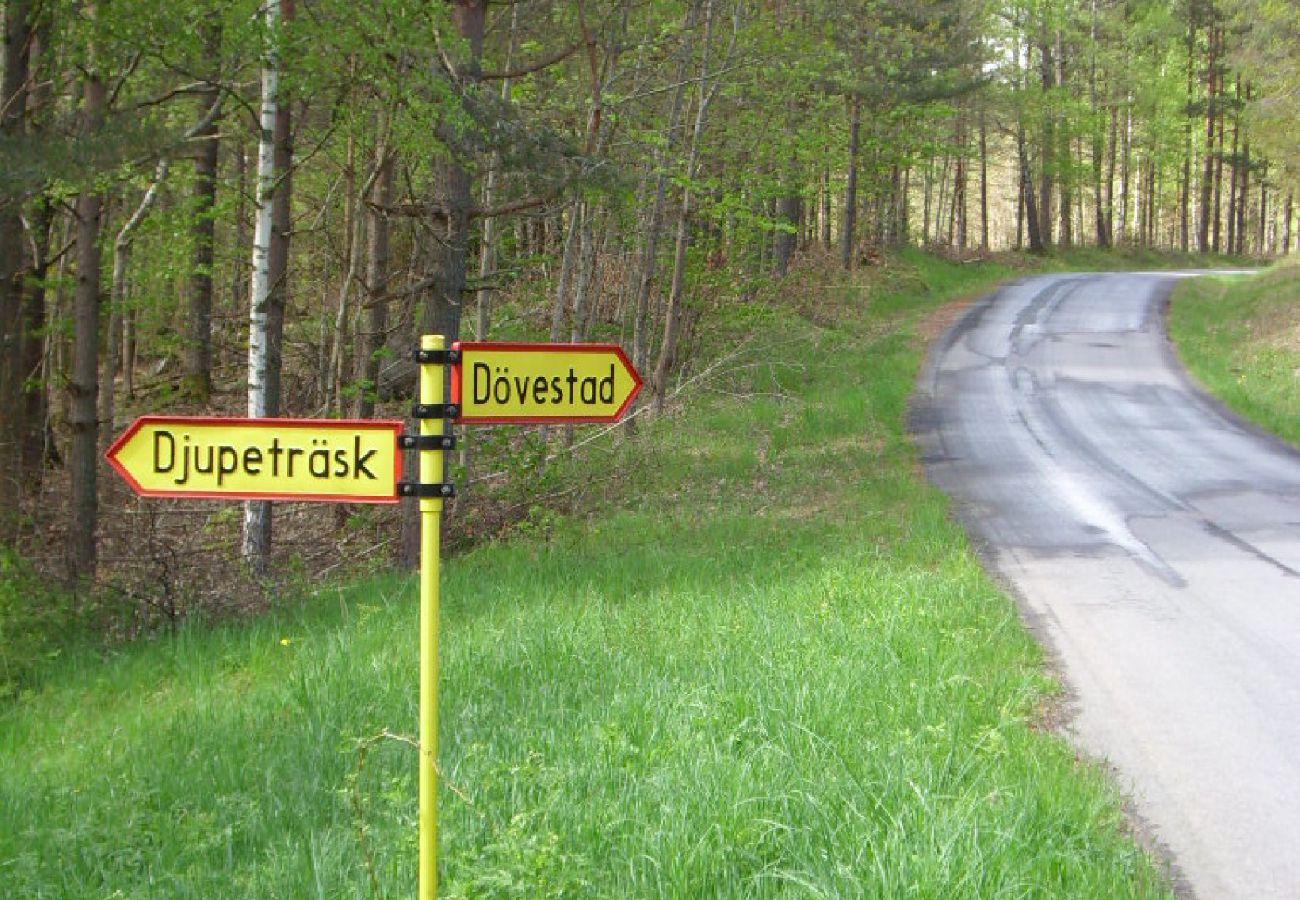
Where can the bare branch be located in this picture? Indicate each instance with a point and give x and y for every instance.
(536, 65)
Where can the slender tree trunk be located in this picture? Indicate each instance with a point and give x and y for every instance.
(1125, 174)
(673, 312)
(1261, 247)
(1185, 195)
(789, 211)
(984, 180)
(1030, 201)
(13, 108)
(1207, 179)
(585, 282)
(1288, 215)
(488, 241)
(563, 283)
(198, 343)
(1111, 154)
(824, 213)
(239, 277)
(1063, 154)
(36, 397)
(83, 387)
(654, 223)
(354, 225)
(34, 420)
(959, 180)
(1101, 210)
(117, 302)
(1237, 192)
(1217, 159)
(257, 514)
(904, 209)
(1047, 158)
(850, 220)
(372, 339)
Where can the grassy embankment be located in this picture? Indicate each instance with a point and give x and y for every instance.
(767, 665)
(1240, 337)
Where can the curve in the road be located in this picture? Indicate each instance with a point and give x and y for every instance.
(1154, 542)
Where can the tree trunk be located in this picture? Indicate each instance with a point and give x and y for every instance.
(441, 305)
(1125, 175)
(1207, 179)
(847, 227)
(13, 108)
(789, 208)
(654, 223)
(488, 241)
(1287, 217)
(563, 283)
(198, 344)
(959, 181)
(1219, 130)
(1063, 154)
(36, 398)
(1237, 192)
(117, 303)
(354, 226)
(1047, 72)
(441, 313)
(1185, 195)
(824, 211)
(984, 180)
(83, 386)
(372, 338)
(257, 514)
(1030, 201)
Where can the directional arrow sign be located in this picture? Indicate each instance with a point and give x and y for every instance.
(353, 461)
(521, 383)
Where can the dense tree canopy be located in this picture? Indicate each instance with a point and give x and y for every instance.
(320, 182)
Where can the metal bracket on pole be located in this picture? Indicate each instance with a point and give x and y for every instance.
(444, 489)
(426, 441)
(435, 410)
(437, 357)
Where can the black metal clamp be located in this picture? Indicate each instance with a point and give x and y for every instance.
(443, 490)
(435, 410)
(426, 441)
(437, 357)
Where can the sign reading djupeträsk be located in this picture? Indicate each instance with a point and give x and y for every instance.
(355, 461)
(502, 382)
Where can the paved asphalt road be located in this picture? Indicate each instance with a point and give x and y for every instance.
(1154, 543)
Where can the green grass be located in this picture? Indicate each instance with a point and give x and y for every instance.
(1240, 337)
(768, 666)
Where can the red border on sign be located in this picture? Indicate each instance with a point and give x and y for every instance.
(396, 425)
(525, 346)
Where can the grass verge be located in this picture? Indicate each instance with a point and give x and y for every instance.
(770, 666)
(1240, 337)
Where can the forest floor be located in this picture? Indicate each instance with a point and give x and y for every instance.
(742, 653)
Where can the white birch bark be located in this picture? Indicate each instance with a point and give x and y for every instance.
(255, 512)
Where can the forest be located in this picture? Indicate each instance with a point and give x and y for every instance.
(223, 207)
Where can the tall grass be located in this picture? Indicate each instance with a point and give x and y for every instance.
(1240, 337)
(766, 664)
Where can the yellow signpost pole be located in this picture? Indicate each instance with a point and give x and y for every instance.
(431, 472)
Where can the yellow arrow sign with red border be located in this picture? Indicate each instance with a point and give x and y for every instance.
(341, 460)
(521, 383)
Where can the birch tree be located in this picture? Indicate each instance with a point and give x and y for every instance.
(257, 514)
